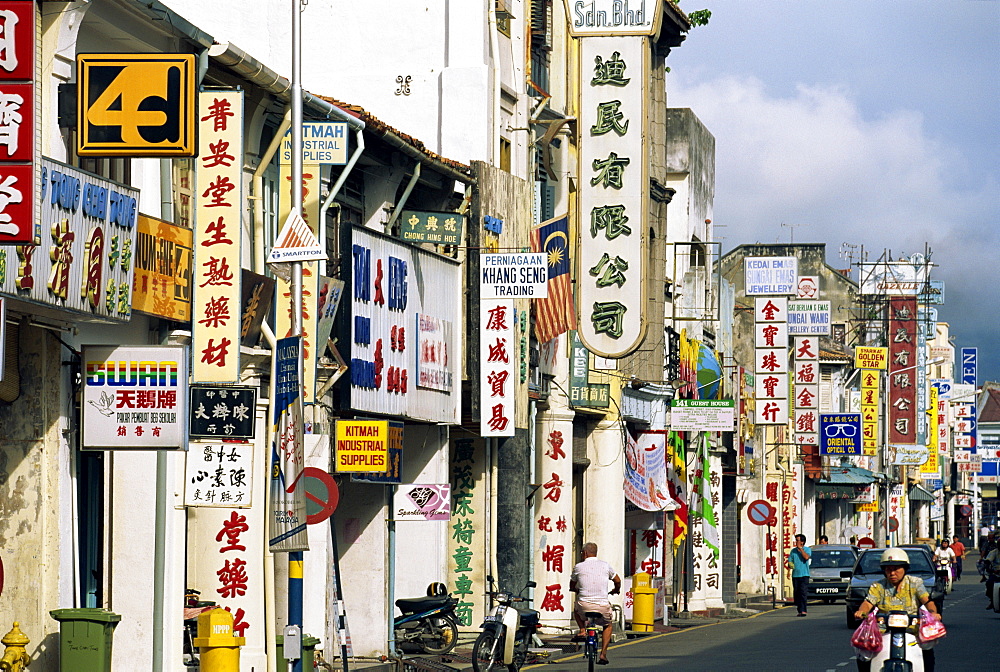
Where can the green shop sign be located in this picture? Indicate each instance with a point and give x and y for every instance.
(583, 393)
(440, 228)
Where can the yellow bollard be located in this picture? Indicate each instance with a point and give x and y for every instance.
(219, 648)
(643, 603)
(15, 658)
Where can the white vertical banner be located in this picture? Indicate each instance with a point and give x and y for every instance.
(497, 368)
(215, 319)
(771, 365)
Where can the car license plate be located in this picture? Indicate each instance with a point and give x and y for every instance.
(826, 590)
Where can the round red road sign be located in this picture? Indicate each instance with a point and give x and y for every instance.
(965, 510)
(893, 524)
(866, 542)
(322, 494)
(760, 512)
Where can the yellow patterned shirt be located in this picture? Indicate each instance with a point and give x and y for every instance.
(907, 596)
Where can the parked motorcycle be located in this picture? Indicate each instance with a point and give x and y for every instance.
(428, 622)
(901, 651)
(507, 632)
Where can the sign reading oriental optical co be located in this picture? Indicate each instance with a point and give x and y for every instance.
(614, 193)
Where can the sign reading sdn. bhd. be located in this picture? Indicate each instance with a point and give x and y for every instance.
(135, 105)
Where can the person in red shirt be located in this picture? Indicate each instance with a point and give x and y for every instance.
(959, 549)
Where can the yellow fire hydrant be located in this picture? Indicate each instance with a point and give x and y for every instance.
(643, 603)
(220, 649)
(15, 658)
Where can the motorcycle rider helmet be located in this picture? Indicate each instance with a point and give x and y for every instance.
(895, 557)
(437, 589)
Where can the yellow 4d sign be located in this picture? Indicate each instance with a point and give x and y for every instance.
(135, 105)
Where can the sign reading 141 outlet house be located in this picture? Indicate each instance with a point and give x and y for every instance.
(134, 397)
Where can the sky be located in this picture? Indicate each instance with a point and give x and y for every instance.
(873, 123)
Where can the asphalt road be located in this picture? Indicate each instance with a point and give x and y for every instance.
(778, 640)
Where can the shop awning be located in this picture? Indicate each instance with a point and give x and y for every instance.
(835, 491)
(918, 494)
(849, 475)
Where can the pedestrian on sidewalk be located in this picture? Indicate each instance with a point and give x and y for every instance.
(798, 562)
(959, 549)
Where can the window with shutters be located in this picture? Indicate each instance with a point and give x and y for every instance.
(541, 46)
(826, 389)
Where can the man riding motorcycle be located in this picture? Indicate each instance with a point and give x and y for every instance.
(897, 592)
(990, 566)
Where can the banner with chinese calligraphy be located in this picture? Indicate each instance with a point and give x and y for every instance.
(902, 363)
(871, 402)
(287, 516)
(615, 88)
(771, 365)
(498, 368)
(404, 304)
(19, 141)
(219, 474)
(468, 544)
(552, 519)
(311, 187)
(162, 283)
(806, 354)
(134, 397)
(704, 512)
(216, 320)
(84, 262)
(931, 469)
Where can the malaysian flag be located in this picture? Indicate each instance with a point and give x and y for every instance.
(554, 315)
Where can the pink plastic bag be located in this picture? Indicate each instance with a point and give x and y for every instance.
(931, 628)
(868, 637)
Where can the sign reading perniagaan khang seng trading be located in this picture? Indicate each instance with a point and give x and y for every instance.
(614, 192)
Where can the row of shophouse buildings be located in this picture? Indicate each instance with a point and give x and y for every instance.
(447, 143)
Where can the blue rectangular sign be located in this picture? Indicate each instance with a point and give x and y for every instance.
(969, 357)
(840, 434)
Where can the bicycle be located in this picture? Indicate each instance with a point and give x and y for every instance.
(594, 629)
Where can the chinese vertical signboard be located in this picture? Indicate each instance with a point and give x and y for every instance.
(931, 469)
(216, 320)
(771, 367)
(134, 397)
(871, 402)
(553, 520)
(498, 368)
(17, 111)
(613, 196)
(468, 537)
(583, 393)
(287, 516)
(902, 363)
(84, 263)
(806, 355)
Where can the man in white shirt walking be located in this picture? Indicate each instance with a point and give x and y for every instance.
(590, 582)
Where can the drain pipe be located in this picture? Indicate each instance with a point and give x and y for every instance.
(403, 199)
(359, 147)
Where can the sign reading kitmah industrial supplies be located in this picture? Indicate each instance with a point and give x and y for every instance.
(362, 445)
(134, 397)
(615, 85)
(215, 322)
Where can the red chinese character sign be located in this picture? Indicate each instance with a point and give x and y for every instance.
(552, 520)
(902, 369)
(216, 319)
(497, 368)
(17, 123)
(134, 397)
(771, 360)
(806, 397)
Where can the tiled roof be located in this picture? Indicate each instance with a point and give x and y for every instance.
(991, 409)
(379, 127)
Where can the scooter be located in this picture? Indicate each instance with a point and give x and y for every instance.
(901, 651)
(428, 622)
(507, 632)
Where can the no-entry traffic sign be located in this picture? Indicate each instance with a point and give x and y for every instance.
(322, 494)
(761, 512)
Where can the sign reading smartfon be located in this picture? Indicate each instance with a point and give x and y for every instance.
(362, 445)
(702, 415)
